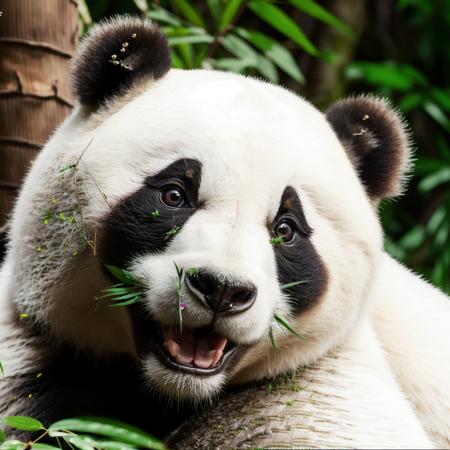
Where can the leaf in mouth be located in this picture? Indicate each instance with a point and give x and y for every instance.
(125, 293)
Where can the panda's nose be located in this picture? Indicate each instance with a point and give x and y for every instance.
(221, 296)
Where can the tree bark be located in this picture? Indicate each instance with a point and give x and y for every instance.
(37, 39)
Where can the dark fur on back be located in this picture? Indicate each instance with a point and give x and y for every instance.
(115, 55)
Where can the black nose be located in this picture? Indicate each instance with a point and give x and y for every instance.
(221, 296)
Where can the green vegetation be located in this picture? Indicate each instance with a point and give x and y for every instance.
(84, 433)
(124, 293)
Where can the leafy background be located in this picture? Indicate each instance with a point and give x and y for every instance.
(325, 50)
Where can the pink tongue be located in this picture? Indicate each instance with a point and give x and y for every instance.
(203, 352)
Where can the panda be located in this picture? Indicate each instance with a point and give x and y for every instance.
(234, 204)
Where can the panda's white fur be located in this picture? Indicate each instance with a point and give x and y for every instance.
(252, 139)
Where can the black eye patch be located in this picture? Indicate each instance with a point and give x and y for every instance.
(298, 259)
(142, 223)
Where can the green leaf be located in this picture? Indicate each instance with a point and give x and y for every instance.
(161, 15)
(193, 39)
(279, 20)
(442, 97)
(229, 13)
(273, 51)
(2, 436)
(436, 220)
(12, 445)
(122, 275)
(114, 445)
(285, 324)
(127, 303)
(289, 285)
(215, 9)
(1, 369)
(189, 11)
(126, 296)
(266, 68)
(413, 238)
(177, 62)
(411, 101)
(252, 58)
(82, 442)
(435, 179)
(40, 446)
(319, 13)
(272, 338)
(231, 64)
(437, 114)
(386, 75)
(23, 423)
(83, 10)
(142, 5)
(239, 48)
(110, 428)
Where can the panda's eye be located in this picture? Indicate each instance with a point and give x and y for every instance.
(173, 197)
(284, 230)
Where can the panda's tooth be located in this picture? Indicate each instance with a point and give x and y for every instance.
(216, 357)
(173, 347)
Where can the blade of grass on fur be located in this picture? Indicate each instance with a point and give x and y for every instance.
(294, 283)
(126, 296)
(127, 303)
(272, 338)
(118, 290)
(285, 324)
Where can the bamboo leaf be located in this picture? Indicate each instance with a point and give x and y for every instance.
(290, 285)
(126, 303)
(163, 16)
(23, 423)
(193, 39)
(12, 445)
(113, 445)
(40, 446)
(122, 275)
(435, 179)
(229, 13)
(231, 64)
(2, 436)
(110, 428)
(272, 338)
(215, 9)
(285, 324)
(142, 5)
(320, 13)
(279, 20)
(189, 11)
(273, 51)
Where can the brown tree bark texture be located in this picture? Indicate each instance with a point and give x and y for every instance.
(37, 39)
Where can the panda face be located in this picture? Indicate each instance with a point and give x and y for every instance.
(245, 188)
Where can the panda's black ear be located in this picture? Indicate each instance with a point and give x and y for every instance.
(376, 141)
(116, 55)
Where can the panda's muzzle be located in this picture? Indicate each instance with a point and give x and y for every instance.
(199, 351)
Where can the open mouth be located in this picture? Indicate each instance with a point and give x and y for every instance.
(199, 351)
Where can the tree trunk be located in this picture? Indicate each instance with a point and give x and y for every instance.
(37, 39)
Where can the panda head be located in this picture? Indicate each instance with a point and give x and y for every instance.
(216, 191)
